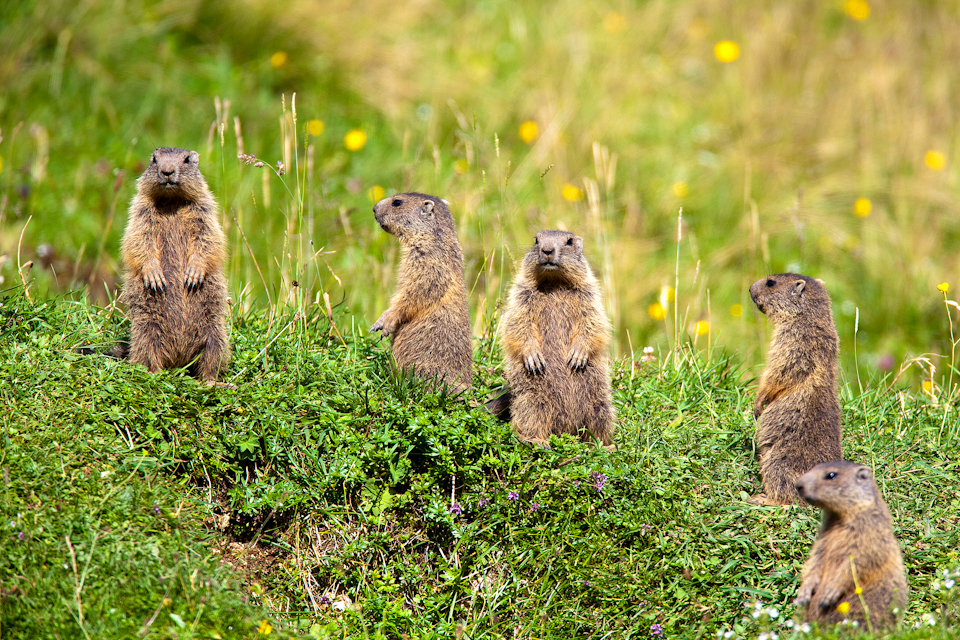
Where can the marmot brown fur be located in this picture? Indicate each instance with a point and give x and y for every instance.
(428, 316)
(555, 335)
(856, 523)
(173, 250)
(797, 408)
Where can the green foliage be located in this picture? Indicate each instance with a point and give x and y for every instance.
(352, 502)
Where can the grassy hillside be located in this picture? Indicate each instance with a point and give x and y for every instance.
(824, 142)
(325, 497)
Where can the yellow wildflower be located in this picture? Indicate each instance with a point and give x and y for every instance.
(166, 602)
(943, 287)
(278, 59)
(461, 166)
(858, 590)
(703, 328)
(726, 51)
(571, 193)
(862, 207)
(355, 139)
(315, 127)
(264, 629)
(927, 387)
(1, 164)
(656, 311)
(935, 160)
(857, 9)
(736, 310)
(614, 22)
(680, 189)
(843, 607)
(529, 131)
(376, 193)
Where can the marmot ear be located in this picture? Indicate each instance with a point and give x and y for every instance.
(798, 287)
(863, 473)
(195, 158)
(578, 243)
(427, 208)
(822, 283)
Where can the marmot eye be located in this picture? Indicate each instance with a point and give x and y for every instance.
(186, 160)
(771, 282)
(397, 202)
(831, 475)
(153, 159)
(536, 241)
(570, 241)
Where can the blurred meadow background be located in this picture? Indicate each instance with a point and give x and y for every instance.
(818, 137)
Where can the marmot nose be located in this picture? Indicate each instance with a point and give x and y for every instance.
(167, 171)
(545, 251)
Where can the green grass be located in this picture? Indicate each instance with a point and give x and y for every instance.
(319, 495)
(766, 155)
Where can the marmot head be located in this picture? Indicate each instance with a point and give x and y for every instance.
(840, 487)
(415, 218)
(556, 255)
(173, 173)
(788, 295)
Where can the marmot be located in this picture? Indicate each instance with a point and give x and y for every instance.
(856, 523)
(555, 335)
(797, 408)
(428, 317)
(174, 288)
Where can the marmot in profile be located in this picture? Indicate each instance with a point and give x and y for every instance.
(173, 250)
(555, 335)
(856, 523)
(428, 316)
(797, 408)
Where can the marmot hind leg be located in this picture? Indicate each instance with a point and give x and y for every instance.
(778, 488)
(529, 425)
(146, 348)
(599, 427)
(214, 357)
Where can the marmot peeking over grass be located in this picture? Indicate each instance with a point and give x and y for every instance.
(855, 548)
(428, 317)
(797, 408)
(173, 250)
(555, 334)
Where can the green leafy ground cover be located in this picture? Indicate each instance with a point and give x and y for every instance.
(325, 497)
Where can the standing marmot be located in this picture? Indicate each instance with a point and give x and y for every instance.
(856, 523)
(428, 315)
(173, 250)
(554, 335)
(797, 408)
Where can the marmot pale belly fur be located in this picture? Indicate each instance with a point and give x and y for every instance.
(428, 317)
(856, 523)
(173, 250)
(555, 335)
(797, 408)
